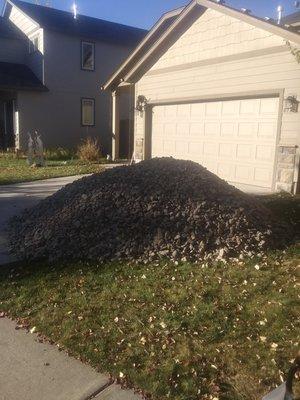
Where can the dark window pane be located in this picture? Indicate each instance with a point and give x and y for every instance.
(88, 56)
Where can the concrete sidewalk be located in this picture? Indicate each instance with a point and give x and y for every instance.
(30, 370)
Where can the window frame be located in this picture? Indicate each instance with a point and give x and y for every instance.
(83, 42)
(31, 46)
(82, 100)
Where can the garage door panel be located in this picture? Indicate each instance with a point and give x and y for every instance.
(196, 148)
(212, 129)
(249, 107)
(197, 110)
(230, 108)
(196, 129)
(171, 111)
(247, 129)
(269, 106)
(225, 171)
(183, 129)
(213, 109)
(157, 147)
(235, 139)
(262, 175)
(210, 164)
(184, 110)
(159, 111)
(169, 147)
(181, 147)
(170, 129)
(265, 153)
(210, 149)
(243, 173)
(267, 130)
(245, 152)
(228, 129)
(226, 150)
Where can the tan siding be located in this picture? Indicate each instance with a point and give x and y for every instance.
(216, 35)
(279, 71)
(172, 77)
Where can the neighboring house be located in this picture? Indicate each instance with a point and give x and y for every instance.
(50, 67)
(220, 87)
(292, 20)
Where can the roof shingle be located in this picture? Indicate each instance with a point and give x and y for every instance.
(292, 18)
(18, 77)
(84, 26)
(9, 30)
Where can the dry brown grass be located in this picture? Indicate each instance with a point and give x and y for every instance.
(89, 150)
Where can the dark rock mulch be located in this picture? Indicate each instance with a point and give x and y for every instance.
(161, 208)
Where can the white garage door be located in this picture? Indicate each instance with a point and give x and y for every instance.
(234, 139)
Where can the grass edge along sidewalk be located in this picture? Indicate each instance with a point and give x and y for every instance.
(186, 331)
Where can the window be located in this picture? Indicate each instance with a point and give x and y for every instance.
(34, 44)
(88, 112)
(88, 56)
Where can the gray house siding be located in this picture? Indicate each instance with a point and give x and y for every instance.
(57, 113)
(12, 50)
(35, 61)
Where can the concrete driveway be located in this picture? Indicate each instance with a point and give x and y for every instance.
(15, 198)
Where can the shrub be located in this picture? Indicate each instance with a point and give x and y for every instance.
(7, 155)
(89, 150)
(59, 154)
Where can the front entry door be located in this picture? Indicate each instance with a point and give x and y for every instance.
(9, 129)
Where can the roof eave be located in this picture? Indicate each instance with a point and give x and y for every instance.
(212, 4)
(41, 88)
(185, 13)
(257, 22)
(115, 78)
(11, 2)
(4, 8)
(279, 30)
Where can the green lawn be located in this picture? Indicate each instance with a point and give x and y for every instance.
(14, 171)
(182, 332)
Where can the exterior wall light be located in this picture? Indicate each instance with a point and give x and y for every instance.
(291, 104)
(141, 103)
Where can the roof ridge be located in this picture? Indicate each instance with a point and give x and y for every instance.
(127, 70)
(32, 5)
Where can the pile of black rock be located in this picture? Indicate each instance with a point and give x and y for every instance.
(157, 209)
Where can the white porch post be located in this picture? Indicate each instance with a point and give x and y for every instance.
(115, 125)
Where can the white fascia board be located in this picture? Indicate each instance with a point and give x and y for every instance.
(140, 46)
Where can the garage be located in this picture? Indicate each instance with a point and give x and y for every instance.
(221, 87)
(235, 139)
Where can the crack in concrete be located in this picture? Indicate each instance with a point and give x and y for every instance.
(100, 390)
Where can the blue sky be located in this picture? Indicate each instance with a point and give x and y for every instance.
(144, 13)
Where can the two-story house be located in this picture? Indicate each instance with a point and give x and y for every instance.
(51, 65)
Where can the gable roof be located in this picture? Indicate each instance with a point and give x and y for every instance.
(9, 30)
(19, 77)
(183, 20)
(161, 25)
(292, 19)
(83, 26)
